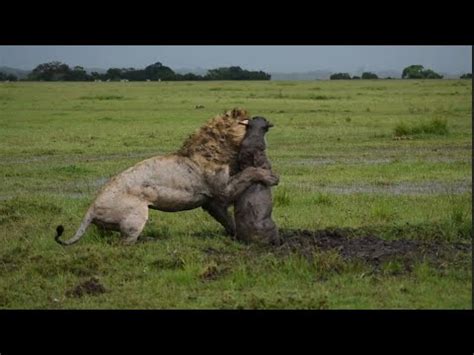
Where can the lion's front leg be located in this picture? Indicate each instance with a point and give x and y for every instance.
(220, 212)
(238, 183)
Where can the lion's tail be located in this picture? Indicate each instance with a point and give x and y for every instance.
(79, 233)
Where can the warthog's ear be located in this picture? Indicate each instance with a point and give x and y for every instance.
(270, 125)
(244, 122)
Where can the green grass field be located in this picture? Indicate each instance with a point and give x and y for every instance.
(390, 158)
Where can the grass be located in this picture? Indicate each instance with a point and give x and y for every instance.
(435, 126)
(102, 97)
(339, 166)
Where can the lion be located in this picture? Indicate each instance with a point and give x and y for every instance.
(202, 173)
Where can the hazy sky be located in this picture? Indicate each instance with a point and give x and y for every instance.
(448, 59)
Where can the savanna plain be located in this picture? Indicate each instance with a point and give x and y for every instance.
(373, 205)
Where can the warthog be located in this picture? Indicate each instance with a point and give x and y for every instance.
(253, 208)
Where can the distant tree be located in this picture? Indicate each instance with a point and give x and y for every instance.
(78, 74)
(340, 76)
(355, 77)
(230, 73)
(134, 74)
(7, 77)
(260, 75)
(235, 73)
(413, 72)
(466, 76)
(53, 71)
(96, 76)
(418, 72)
(189, 77)
(430, 74)
(369, 75)
(159, 71)
(113, 74)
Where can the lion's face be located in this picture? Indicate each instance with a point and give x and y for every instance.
(236, 129)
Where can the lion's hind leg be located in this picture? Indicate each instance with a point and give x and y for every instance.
(132, 224)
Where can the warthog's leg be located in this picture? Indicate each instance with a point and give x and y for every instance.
(132, 224)
(220, 213)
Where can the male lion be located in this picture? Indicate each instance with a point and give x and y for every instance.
(200, 174)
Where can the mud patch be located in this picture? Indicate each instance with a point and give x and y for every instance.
(90, 287)
(371, 249)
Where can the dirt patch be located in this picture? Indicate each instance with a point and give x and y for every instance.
(219, 263)
(89, 287)
(370, 248)
(213, 271)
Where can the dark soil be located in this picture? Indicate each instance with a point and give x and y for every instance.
(370, 248)
(213, 272)
(89, 287)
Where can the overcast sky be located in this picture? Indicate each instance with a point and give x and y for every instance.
(448, 59)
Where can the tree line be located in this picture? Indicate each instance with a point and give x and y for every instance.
(347, 76)
(411, 72)
(57, 71)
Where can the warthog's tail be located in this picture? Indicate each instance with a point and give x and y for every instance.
(80, 232)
